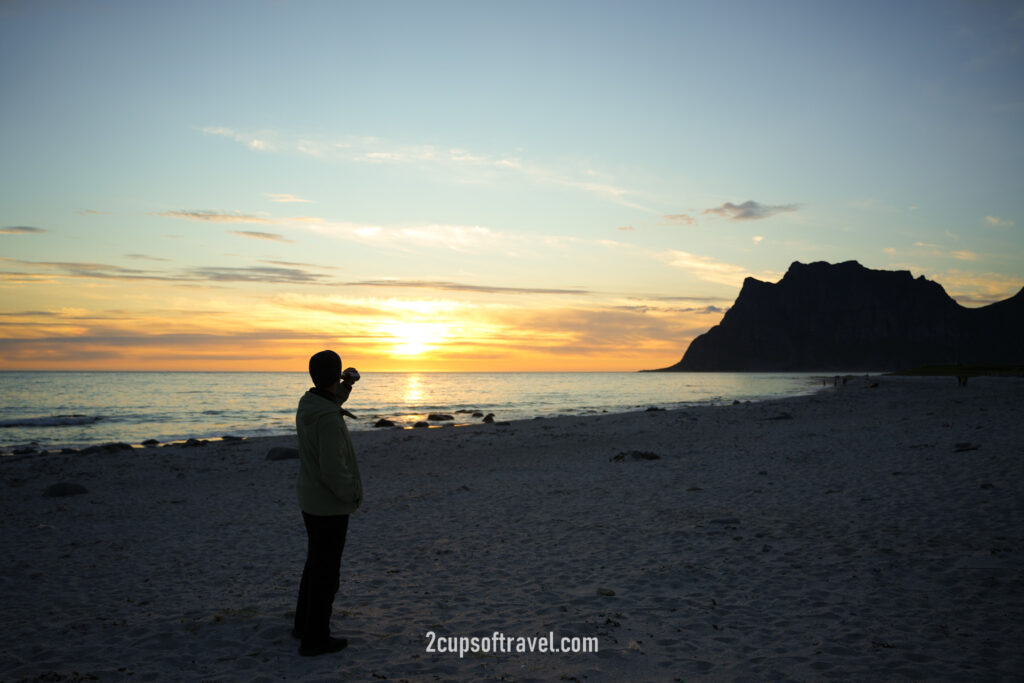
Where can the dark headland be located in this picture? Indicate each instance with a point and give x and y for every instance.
(845, 317)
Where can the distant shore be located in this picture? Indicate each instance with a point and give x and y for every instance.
(863, 533)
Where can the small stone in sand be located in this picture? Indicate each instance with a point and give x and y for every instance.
(635, 455)
(489, 417)
(64, 488)
(282, 453)
(607, 592)
(421, 425)
(383, 423)
(439, 417)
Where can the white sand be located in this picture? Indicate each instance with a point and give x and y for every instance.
(853, 541)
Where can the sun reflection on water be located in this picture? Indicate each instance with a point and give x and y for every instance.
(413, 390)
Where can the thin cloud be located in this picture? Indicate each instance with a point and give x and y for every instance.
(214, 216)
(286, 198)
(702, 310)
(376, 151)
(460, 287)
(707, 268)
(256, 235)
(999, 222)
(102, 271)
(188, 276)
(297, 264)
(252, 142)
(145, 257)
(593, 332)
(92, 212)
(748, 210)
(264, 274)
(22, 230)
(460, 238)
(978, 289)
(696, 299)
(964, 255)
(680, 219)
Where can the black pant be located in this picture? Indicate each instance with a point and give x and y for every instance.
(320, 575)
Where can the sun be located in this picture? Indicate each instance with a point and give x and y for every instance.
(414, 339)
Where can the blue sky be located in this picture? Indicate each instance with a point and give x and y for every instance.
(470, 185)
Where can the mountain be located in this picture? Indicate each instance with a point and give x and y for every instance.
(845, 317)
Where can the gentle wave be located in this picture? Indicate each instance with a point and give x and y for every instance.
(48, 410)
(52, 421)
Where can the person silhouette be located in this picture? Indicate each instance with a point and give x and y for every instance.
(329, 489)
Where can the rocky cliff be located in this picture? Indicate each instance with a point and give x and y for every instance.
(845, 317)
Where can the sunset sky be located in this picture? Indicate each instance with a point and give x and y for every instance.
(483, 185)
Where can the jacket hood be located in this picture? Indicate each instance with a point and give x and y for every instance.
(312, 407)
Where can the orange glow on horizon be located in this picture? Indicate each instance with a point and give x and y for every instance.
(73, 329)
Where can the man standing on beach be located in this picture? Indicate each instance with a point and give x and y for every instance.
(329, 490)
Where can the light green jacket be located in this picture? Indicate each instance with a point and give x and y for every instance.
(328, 481)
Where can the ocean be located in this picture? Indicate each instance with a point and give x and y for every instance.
(51, 410)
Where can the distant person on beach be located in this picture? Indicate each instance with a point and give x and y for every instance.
(329, 490)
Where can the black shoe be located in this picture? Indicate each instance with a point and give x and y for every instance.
(323, 647)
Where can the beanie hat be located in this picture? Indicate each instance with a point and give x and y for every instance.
(325, 368)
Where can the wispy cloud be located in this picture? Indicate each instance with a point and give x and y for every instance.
(978, 289)
(708, 268)
(749, 210)
(144, 257)
(103, 271)
(21, 230)
(92, 212)
(214, 216)
(368, 149)
(461, 238)
(286, 198)
(297, 264)
(964, 255)
(187, 276)
(257, 235)
(257, 142)
(940, 251)
(680, 219)
(264, 274)
(999, 222)
(461, 287)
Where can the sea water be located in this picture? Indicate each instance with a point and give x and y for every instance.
(48, 410)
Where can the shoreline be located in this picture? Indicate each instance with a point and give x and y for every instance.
(362, 424)
(854, 533)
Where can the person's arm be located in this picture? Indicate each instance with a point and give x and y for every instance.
(348, 378)
(334, 459)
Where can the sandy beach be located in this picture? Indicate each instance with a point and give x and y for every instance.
(861, 533)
